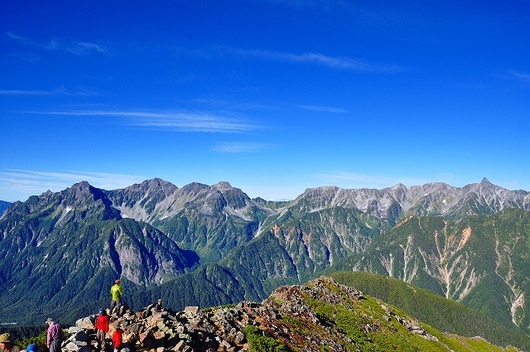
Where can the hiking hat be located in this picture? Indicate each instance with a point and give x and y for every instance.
(5, 338)
(100, 310)
(49, 320)
(31, 348)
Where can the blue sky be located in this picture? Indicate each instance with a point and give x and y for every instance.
(272, 96)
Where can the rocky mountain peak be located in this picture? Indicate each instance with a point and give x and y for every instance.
(486, 186)
(81, 199)
(398, 188)
(80, 191)
(485, 182)
(156, 184)
(222, 185)
(195, 186)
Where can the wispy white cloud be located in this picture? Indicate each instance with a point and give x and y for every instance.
(194, 122)
(185, 122)
(521, 76)
(59, 91)
(21, 184)
(79, 48)
(240, 147)
(26, 92)
(233, 105)
(309, 58)
(50, 45)
(354, 181)
(84, 48)
(312, 58)
(322, 109)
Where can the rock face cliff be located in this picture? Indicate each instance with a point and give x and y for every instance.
(321, 315)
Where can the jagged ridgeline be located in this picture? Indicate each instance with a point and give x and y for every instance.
(211, 245)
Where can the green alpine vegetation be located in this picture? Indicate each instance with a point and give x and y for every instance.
(443, 314)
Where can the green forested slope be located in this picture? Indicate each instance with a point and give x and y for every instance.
(443, 314)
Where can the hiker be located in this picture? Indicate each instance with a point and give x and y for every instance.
(116, 292)
(102, 327)
(7, 345)
(54, 336)
(158, 307)
(117, 338)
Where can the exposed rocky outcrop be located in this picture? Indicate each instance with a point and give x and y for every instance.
(301, 318)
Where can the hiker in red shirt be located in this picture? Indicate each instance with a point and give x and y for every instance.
(102, 328)
(117, 338)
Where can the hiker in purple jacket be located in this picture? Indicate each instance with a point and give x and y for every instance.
(55, 336)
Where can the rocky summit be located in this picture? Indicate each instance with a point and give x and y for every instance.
(321, 315)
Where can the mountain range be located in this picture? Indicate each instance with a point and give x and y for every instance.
(210, 245)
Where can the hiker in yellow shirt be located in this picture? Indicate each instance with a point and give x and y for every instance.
(116, 292)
